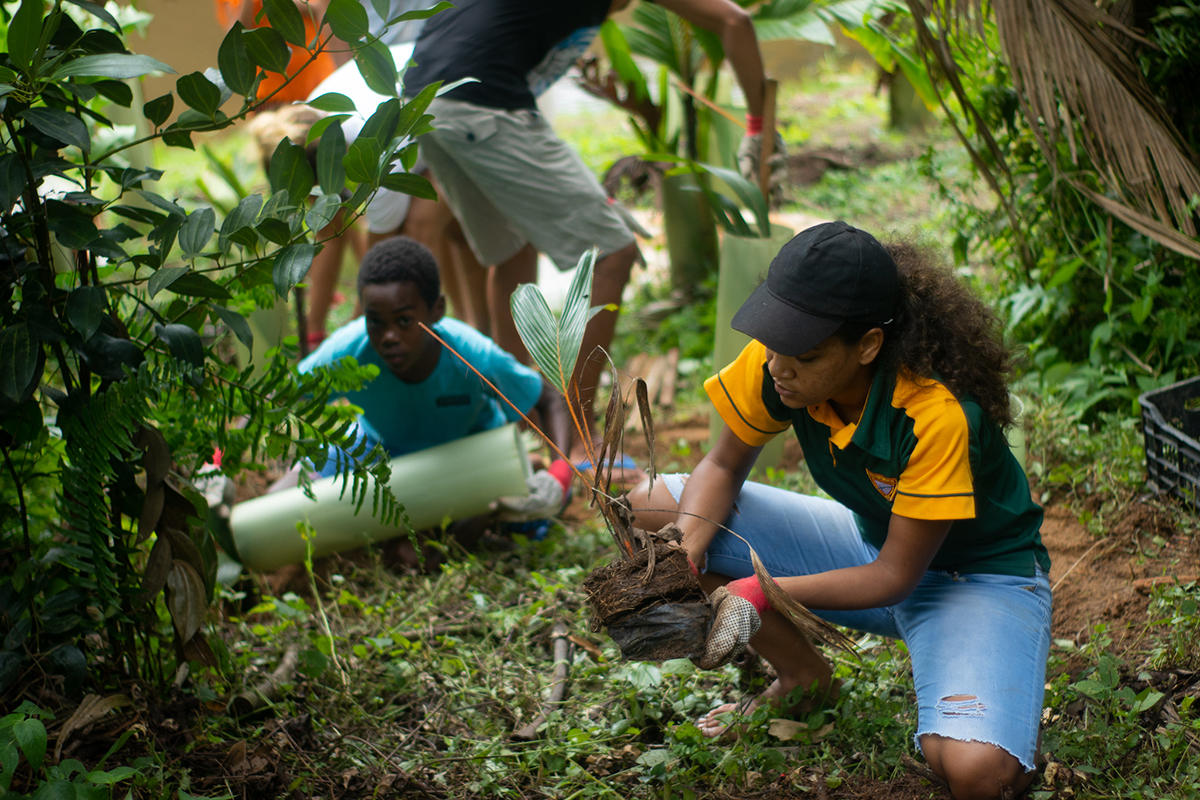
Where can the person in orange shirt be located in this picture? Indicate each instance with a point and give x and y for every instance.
(305, 76)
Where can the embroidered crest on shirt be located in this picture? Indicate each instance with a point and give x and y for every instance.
(884, 485)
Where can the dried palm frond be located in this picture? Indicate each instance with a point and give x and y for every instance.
(1063, 58)
(1073, 70)
(806, 621)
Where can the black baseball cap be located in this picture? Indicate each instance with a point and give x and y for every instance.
(826, 275)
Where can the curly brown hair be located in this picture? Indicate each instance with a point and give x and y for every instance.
(942, 329)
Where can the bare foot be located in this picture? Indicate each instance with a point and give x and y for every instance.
(723, 718)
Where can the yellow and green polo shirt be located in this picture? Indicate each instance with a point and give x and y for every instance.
(917, 451)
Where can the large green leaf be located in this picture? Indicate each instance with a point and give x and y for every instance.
(86, 307)
(347, 19)
(334, 103)
(331, 173)
(18, 360)
(322, 212)
(183, 342)
(112, 65)
(412, 111)
(362, 159)
(421, 13)
(159, 109)
(383, 122)
(12, 181)
(163, 278)
(99, 11)
(196, 231)
(31, 737)
(74, 227)
(286, 19)
(378, 68)
(199, 93)
(236, 323)
(289, 171)
(233, 59)
(59, 125)
(243, 216)
(25, 32)
(291, 265)
(408, 183)
(194, 284)
(267, 49)
(619, 55)
(554, 343)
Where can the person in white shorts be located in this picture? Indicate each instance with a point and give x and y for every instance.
(514, 185)
(390, 213)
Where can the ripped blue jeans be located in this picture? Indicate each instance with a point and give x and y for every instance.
(978, 642)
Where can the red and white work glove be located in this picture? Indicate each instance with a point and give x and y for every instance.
(547, 496)
(738, 607)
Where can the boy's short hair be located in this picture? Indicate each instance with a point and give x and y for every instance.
(401, 259)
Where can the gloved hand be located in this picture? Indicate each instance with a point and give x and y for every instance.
(748, 155)
(548, 494)
(738, 607)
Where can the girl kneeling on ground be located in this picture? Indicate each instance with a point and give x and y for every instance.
(892, 375)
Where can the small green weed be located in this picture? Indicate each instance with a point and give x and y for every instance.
(24, 743)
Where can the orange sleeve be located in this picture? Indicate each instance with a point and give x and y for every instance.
(937, 482)
(736, 392)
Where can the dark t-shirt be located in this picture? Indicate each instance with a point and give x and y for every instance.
(516, 48)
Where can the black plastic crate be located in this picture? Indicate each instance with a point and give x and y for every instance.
(1171, 431)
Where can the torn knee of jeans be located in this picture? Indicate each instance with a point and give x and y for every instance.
(961, 705)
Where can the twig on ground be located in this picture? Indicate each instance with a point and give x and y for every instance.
(558, 684)
(1077, 561)
(440, 630)
(922, 771)
(268, 689)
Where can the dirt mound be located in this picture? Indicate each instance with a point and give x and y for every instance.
(1103, 578)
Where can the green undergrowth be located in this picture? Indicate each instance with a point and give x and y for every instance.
(416, 683)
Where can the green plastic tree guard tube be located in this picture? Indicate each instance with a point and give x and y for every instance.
(744, 264)
(455, 480)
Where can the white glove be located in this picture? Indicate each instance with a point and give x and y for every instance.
(748, 155)
(735, 621)
(546, 499)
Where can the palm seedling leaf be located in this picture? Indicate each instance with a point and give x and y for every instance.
(554, 343)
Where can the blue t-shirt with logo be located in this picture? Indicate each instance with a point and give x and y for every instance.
(451, 403)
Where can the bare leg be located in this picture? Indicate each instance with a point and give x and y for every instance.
(975, 770)
(472, 276)
(797, 663)
(323, 275)
(612, 273)
(503, 280)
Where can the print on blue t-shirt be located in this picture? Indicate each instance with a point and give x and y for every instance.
(451, 403)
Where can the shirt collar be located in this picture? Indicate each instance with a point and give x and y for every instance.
(870, 433)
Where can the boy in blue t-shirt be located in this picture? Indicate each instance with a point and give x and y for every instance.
(424, 395)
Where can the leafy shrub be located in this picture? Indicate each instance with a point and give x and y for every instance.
(116, 305)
